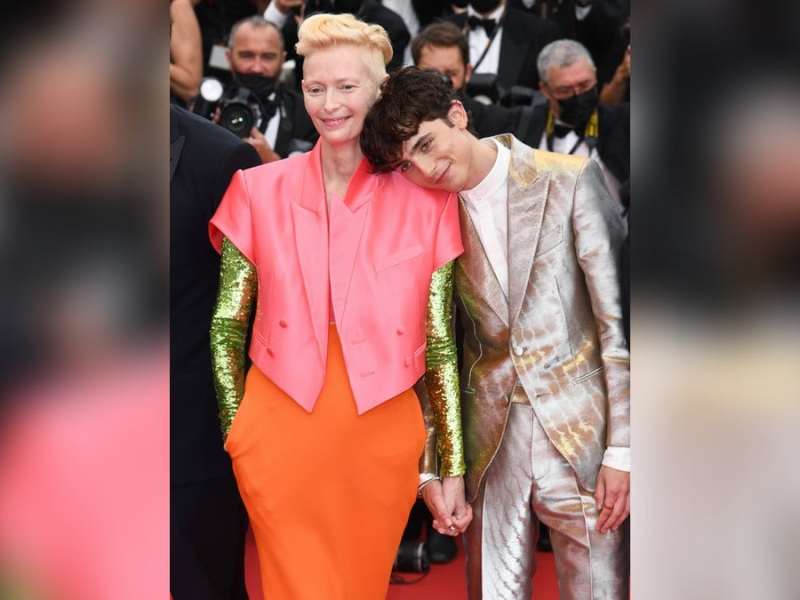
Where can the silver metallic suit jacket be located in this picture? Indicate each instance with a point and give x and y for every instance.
(559, 333)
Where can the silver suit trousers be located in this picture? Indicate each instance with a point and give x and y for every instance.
(530, 482)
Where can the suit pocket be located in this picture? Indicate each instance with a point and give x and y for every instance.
(397, 257)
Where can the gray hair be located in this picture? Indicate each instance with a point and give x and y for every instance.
(561, 53)
(257, 21)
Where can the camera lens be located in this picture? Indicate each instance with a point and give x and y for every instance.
(237, 118)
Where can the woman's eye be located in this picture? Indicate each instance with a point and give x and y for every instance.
(348, 87)
(405, 166)
(426, 145)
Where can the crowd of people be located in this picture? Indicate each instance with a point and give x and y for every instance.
(495, 293)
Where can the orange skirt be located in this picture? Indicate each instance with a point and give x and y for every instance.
(328, 493)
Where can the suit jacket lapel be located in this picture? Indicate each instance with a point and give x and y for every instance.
(512, 50)
(311, 241)
(527, 198)
(478, 269)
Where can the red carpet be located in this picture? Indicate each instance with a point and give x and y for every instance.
(444, 582)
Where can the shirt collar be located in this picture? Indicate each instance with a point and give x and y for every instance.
(488, 188)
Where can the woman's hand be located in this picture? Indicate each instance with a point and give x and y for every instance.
(446, 501)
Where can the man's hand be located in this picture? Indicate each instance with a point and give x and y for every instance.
(259, 142)
(445, 500)
(613, 498)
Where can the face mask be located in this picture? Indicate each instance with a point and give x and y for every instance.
(576, 110)
(484, 6)
(260, 85)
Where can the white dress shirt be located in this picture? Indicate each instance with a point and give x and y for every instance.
(478, 41)
(274, 16)
(487, 205)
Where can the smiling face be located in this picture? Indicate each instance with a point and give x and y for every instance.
(442, 154)
(338, 89)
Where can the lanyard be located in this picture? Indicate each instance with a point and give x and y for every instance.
(489, 43)
(590, 134)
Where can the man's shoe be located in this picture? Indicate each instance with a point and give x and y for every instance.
(543, 544)
(441, 548)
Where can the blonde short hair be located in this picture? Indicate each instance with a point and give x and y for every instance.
(324, 30)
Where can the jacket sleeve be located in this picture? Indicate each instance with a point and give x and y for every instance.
(229, 322)
(443, 410)
(599, 232)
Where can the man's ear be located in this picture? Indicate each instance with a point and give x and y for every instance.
(467, 75)
(457, 115)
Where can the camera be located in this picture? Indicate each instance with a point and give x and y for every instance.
(240, 109)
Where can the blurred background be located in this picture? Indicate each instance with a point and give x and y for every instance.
(715, 243)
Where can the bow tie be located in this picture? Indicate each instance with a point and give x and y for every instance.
(561, 131)
(489, 25)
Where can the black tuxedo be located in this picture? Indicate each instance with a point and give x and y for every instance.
(613, 145)
(524, 36)
(295, 124)
(600, 31)
(491, 119)
(207, 520)
(371, 11)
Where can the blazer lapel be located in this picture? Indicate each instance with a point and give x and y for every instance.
(527, 198)
(478, 269)
(512, 50)
(311, 241)
(175, 149)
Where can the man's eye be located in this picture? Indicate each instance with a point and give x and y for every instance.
(425, 146)
(348, 87)
(405, 166)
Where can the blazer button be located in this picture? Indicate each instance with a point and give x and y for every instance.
(400, 331)
(270, 352)
(282, 323)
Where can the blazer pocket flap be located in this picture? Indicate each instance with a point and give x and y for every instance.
(394, 258)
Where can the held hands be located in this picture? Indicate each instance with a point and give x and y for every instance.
(445, 499)
(613, 498)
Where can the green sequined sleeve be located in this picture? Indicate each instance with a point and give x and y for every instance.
(237, 290)
(441, 376)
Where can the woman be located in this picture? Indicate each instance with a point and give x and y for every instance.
(343, 266)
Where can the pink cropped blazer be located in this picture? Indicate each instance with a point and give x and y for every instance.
(372, 260)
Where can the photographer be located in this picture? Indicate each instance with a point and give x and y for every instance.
(280, 125)
(443, 47)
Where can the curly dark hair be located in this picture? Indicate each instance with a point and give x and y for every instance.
(409, 96)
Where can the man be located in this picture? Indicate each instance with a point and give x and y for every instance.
(443, 47)
(545, 407)
(287, 14)
(256, 55)
(573, 122)
(594, 23)
(207, 521)
(504, 40)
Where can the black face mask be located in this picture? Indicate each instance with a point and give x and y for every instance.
(261, 85)
(484, 6)
(576, 110)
